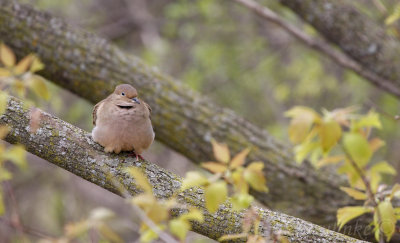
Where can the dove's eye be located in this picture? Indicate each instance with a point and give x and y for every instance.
(123, 94)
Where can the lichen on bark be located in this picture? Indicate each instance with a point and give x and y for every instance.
(73, 149)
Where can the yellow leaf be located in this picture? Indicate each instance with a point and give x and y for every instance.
(256, 166)
(193, 179)
(7, 57)
(179, 228)
(394, 192)
(239, 159)
(302, 120)
(3, 102)
(215, 194)
(388, 219)
(144, 200)
(17, 155)
(233, 237)
(239, 182)
(140, 179)
(358, 148)
(76, 229)
(39, 87)
(383, 167)
(214, 167)
(346, 214)
(221, 151)
(5, 73)
(23, 65)
(109, 234)
(19, 88)
(330, 160)
(329, 133)
(4, 174)
(37, 65)
(376, 143)
(2, 208)
(157, 212)
(354, 193)
(193, 214)
(4, 130)
(394, 16)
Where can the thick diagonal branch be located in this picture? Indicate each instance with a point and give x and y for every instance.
(184, 120)
(73, 149)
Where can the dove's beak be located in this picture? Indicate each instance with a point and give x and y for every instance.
(136, 100)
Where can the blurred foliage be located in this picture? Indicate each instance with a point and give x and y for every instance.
(225, 52)
(346, 139)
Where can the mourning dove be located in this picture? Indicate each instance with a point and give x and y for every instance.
(122, 122)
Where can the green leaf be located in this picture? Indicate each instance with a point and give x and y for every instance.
(3, 102)
(358, 148)
(148, 236)
(383, 167)
(241, 201)
(39, 87)
(193, 214)
(7, 57)
(215, 194)
(221, 151)
(254, 176)
(329, 133)
(179, 228)
(346, 214)
(356, 194)
(370, 120)
(193, 179)
(17, 155)
(304, 149)
(388, 219)
(140, 179)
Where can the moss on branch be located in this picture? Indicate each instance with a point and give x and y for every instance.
(74, 150)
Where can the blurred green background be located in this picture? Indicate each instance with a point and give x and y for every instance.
(218, 48)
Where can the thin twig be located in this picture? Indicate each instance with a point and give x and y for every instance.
(321, 45)
(370, 193)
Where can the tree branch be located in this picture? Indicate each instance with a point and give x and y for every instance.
(364, 40)
(322, 46)
(183, 120)
(73, 149)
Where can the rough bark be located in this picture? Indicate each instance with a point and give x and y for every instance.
(74, 150)
(184, 120)
(356, 34)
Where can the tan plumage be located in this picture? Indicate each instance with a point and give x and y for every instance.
(122, 122)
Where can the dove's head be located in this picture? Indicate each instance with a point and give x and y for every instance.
(126, 91)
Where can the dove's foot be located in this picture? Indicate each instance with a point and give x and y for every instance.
(137, 156)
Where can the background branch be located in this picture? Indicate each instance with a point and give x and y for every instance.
(183, 120)
(323, 47)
